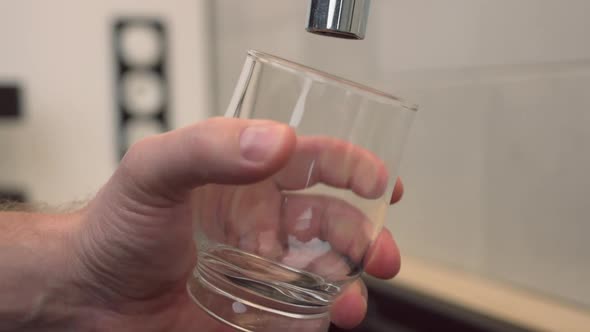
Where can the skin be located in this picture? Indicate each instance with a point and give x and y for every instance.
(121, 262)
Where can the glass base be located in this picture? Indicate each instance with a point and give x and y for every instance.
(247, 311)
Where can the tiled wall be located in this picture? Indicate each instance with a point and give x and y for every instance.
(496, 165)
(496, 171)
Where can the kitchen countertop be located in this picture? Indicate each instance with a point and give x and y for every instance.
(493, 298)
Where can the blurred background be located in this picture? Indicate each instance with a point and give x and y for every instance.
(494, 224)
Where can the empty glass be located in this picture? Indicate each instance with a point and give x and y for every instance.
(274, 255)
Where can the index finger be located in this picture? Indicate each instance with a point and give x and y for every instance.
(335, 162)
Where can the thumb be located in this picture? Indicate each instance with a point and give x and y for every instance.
(218, 150)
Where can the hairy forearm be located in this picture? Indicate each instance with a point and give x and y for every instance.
(35, 284)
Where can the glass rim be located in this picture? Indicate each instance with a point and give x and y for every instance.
(309, 71)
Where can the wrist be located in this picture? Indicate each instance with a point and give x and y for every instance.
(37, 290)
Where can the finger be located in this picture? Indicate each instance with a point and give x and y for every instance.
(219, 150)
(347, 230)
(383, 258)
(398, 191)
(336, 163)
(350, 308)
(246, 217)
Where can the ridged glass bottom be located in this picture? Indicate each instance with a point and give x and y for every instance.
(253, 294)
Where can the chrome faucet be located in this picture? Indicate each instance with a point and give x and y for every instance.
(338, 18)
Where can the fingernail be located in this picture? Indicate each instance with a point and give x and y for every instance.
(257, 143)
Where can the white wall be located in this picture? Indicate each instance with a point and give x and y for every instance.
(61, 52)
(495, 167)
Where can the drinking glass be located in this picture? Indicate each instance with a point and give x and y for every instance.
(274, 255)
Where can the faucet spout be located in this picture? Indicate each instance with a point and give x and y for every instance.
(338, 18)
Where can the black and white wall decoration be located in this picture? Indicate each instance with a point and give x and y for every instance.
(89, 79)
(142, 86)
(7, 195)
(10, 101)
(10, 109)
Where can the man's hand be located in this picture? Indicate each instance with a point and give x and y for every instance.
(131, 250)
